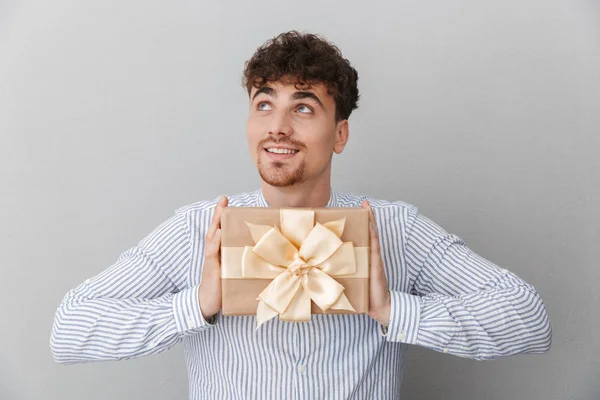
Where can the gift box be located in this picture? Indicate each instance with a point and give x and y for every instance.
(294, 262)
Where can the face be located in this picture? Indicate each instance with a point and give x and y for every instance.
(292, 133)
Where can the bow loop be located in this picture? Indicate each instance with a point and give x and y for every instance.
(302, 260)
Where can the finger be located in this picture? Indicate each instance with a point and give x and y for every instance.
(212, 250)
(375, 249)
(212, 228)
(223, 202)
(377, 271)
(220, 204)
(372, 225)
(376, 262)
(378, 278)
(367, 205)
(216, 219)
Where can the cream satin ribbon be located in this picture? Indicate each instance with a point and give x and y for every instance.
(301, 259)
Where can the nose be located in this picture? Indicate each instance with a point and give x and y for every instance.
(280, 124)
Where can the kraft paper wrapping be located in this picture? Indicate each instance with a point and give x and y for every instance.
(240, 294)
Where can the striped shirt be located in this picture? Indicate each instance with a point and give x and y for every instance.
(444, 297)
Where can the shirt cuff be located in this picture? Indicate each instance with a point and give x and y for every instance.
(187, 313)
(405, 314)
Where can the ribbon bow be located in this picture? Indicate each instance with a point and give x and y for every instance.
(301, 259)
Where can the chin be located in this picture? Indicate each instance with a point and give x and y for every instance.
(281, 178)
(281, 173)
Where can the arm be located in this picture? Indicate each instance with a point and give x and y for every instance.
(461, 303)
(138, 306)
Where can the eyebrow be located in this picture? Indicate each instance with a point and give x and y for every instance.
(307, 95)
(266, 90)
(296, 96)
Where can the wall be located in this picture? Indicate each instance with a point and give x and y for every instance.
(486, 116)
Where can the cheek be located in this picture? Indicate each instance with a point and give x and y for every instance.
(253, 132)
(321, 147)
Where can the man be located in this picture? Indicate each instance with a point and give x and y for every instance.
(427, 287)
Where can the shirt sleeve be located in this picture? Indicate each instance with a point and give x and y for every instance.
(461, 303)
(138, 306)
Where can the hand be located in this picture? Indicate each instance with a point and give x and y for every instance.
(379, 293)
(209, 293)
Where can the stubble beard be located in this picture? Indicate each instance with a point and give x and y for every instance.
(279, 174)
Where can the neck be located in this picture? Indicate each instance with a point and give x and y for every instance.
(306, 194)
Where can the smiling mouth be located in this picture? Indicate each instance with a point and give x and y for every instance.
(280, 154)
(274, 150)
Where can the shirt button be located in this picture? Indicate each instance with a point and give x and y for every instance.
(445, 350)
(401, 335)
(301, 368)
(190, 322)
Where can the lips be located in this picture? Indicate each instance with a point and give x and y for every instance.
(280, 153)
(280, 150)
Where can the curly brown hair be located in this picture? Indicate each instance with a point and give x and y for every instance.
(308, 59)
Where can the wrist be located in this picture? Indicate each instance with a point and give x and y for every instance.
(205, 307)
(382, 312)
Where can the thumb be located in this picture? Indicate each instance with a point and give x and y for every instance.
(214, 246)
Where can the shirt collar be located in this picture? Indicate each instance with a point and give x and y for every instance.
(333, 199)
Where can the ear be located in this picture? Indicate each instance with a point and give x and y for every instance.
(341, 136)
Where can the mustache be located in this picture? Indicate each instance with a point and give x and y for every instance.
(289, 142)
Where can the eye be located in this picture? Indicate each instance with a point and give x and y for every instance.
(263, 106)
(304, 109)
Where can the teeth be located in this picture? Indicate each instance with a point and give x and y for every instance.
(282, 151)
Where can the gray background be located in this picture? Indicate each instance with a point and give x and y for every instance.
(484, 114)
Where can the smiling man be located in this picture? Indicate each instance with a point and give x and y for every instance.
(291, 134)
(427, 288)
